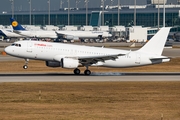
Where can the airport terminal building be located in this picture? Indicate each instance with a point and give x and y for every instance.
(144, 15)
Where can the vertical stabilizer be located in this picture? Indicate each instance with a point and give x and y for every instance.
(156, 44)
(16, 25)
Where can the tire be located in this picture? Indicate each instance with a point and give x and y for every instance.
(77, 71)
(25, 66)
(87, 72)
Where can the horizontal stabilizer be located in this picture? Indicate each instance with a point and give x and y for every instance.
(160, 59)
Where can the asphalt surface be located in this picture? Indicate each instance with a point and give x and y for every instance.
(95, 77)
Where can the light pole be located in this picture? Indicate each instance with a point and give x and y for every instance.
(77, 2)
(68, 11)
(158, 14)
(61, 3)
(164, 13)
(118, 12)
(29, 12)
(49, 12)
(134, 12)
(102, 3)
(12, 7)
(86, 1)
(112, 2)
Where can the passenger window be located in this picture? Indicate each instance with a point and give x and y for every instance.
(19, 45)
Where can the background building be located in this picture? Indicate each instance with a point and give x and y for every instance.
(129, 15)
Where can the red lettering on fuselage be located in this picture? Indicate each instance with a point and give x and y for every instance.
(42, 45)
(37, 44)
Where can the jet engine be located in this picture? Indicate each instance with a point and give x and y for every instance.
(71, 37)
(65, 63)
(69, 63)
(53, 64)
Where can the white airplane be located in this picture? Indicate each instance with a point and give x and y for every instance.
(68, 35)
(74, 56)
(76, 35)
(18, 29)
(37, 34)
(7, 33)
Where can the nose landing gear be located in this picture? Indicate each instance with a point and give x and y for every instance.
(26, 64)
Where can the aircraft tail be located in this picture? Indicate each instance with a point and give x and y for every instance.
(16, 25)
(156, 44)
(2, 33)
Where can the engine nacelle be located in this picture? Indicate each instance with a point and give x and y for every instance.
(71, 37)
(53, 64)
(69, 63)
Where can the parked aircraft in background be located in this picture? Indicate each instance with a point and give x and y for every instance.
(17, 28)
(7, 33)
(74, 56)
(76, 35)
(67, 35)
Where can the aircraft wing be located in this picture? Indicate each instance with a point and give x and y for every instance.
(20, 32)
(17, 31)
(67, 36)
(63, 34)
(2, 33)
(59, 34)
(89, 60)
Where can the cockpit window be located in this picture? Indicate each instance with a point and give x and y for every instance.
(15, 44)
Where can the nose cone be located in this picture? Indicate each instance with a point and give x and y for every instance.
(7, 50)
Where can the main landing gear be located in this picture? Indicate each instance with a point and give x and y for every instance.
(26, 64)
(77, 72)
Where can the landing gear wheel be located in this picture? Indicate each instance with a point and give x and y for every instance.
(87, 72)
(25, 66)
(26, 62)
(77, 71)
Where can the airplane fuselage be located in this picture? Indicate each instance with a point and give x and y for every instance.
(65, 34)
(86, 34)
(38, 34)
(48, 51)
